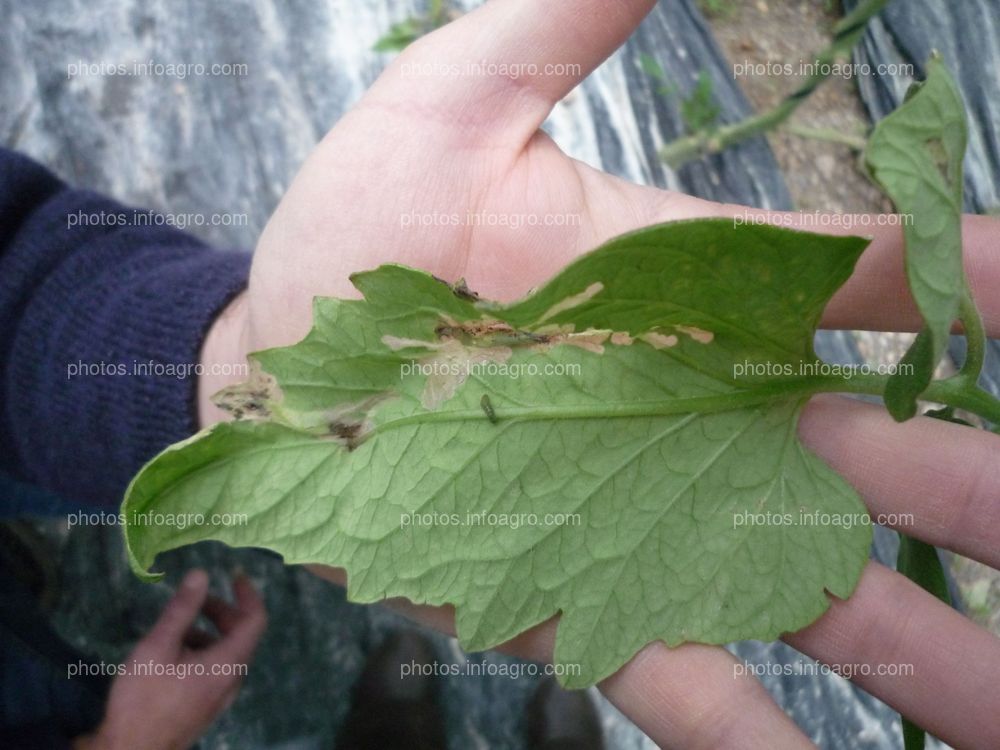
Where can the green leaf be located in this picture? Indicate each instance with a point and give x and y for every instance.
(915, 154)
(651, 67)
(699, 110)
(901, 393)
(920, 562)
(400, 36)
(608, 448)
(914, 738)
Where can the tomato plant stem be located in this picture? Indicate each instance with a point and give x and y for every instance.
(845, 35)
(958, 391)
(975, 339)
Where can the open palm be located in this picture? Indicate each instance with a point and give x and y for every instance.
(444, 169)
(442, 166)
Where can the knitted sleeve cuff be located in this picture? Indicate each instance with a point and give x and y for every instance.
(102, 370)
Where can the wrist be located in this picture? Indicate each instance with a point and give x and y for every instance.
(223, 358)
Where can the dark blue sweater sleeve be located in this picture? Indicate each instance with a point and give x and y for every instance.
(101, 323)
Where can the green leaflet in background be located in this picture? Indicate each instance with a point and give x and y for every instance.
(921, 563)
(641, 427)
(915, 154)
(402, 34)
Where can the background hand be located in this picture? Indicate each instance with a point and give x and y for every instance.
(189, 678)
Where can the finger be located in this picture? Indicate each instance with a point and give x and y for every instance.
(503, 66)
(238, 644)
(937, 481)
(694, 696)
(247, 598)
(690, 697)
(915, 653)
(877, 295)
(166, 638)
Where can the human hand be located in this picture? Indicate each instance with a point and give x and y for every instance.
(188, 678)
(405, 176)
(397, 178)
(424, 147)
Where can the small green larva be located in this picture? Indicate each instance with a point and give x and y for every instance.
(488, 408)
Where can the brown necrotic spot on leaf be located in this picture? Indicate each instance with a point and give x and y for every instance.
(473, 329)
(460, 289)
(351, 424)
(487, 332)
(476, 334)
(349, 433)
(251, 399)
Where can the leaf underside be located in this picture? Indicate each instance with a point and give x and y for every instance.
(622, 483)
(915, 154)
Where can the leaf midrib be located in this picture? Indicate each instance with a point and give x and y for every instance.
(739, 399)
